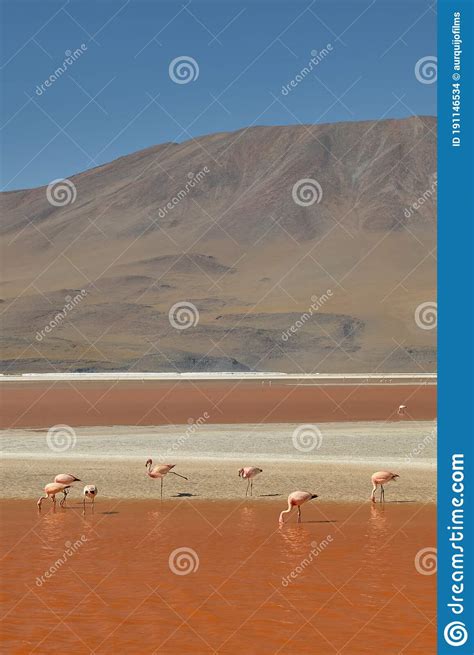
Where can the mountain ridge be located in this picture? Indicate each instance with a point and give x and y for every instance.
(237, 245)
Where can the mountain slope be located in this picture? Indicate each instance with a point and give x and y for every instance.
(139, 238)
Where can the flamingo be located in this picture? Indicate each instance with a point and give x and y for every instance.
(401, 410)
(51, 490)
(160, 471)
(296, 499)
(66, 478)
(381, 478)
(90, 491)
(249, 473)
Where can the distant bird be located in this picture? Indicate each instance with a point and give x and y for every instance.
(66, 478)
(159, 472)
(401, 410)
(51, 490)
(90, 491)
(249, 473)
(296, 499)
(381, 478)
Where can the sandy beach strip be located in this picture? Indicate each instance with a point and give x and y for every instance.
(40, 404)
(334, 460)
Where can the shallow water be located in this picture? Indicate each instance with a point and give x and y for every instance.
(112, 588)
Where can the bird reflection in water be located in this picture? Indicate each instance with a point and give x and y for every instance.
(374, 557)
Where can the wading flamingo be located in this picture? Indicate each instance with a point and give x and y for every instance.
(249, 473)
(90, 491)
(296, 499)
(159, 472)
(401, 410)
(381, 478)
(51, 490)
(66, 478)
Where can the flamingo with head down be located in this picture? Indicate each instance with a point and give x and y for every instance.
(67, 479)
(90, 491)
(296, 499)
(51, 490)
(381, 478)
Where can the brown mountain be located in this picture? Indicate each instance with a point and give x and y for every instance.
(236, 245)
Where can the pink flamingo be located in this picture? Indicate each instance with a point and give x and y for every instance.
(401, 410)
(159, 472)
(90, 491)
(381, 478)
(249, 473)
(296, 499)
(51, 490)
(66, 478)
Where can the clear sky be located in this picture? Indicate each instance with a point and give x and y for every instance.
(117, 95)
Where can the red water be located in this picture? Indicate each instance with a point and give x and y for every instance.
(41, 404)
(116, 593)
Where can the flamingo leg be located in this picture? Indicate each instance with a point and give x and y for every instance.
(299, 514)
(382, 494)
(84, 505)
(247, 490)
(161, 489)
(63, 500)
(93, 498)
(251, 487)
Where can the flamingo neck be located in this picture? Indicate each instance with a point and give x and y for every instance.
(285, 511)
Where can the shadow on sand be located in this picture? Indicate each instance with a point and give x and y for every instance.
(183, 494)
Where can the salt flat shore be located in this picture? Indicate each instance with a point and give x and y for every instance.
(334, 460)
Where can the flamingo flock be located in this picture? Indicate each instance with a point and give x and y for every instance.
(64, 481)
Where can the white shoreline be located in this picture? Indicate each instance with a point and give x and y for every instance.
(318, 378)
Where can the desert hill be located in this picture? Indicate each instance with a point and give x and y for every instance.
(236, 245)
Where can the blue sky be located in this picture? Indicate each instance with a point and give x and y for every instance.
(118, 97)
